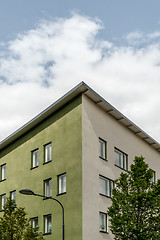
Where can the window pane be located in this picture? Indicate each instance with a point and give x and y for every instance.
(48, 188)
(35, 158)
(102, 186)
(103, 222)
(3, 201)
(34, 223)
(108, 188)
(121, 159)
(125, 162)
(48, 152)
(62, 183)
(3, 172)
(13, 195)
(154, 177)
(111, 186)
(105, 186)
(102, 148)
(117, 158)
(47, 224)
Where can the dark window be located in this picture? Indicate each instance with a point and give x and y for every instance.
(47, 224)
(48, 187)
(48, 153)
(105, 186)
(3, 172)
(35, 158)
(103, 222)
(102, 148)
(153, 179)
(121, 159)
(2, 201)
(62, 183)
(34, 223)
(13, 195)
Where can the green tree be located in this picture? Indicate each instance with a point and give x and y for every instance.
(135, 210)
(15, 226)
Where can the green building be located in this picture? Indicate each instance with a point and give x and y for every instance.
(72, 151)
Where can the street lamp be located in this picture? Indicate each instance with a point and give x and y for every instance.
(30, 192)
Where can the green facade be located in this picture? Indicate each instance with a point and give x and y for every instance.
(64, 130)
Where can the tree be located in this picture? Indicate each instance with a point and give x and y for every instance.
(135, 210)
(15, 226)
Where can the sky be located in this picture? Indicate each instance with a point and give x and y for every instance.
(48, 47)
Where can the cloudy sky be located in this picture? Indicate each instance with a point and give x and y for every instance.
(48, 47)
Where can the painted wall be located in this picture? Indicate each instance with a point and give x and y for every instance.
(64, 130)
(96, 123)
(74, 131)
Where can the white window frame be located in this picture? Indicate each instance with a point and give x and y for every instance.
(105, 186)
(102, 148)
(3, 201)
(121, 159)
(34, 223)
(35, 158)
(13, 195)
(47, 224)
(62, 183)
(153, 179)
(103, 222)
(48, 187)
(48, 152)
(3, 172)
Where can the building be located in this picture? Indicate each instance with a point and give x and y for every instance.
(72, 151)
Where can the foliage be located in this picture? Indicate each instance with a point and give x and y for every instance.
(14, 225)
(135, 210)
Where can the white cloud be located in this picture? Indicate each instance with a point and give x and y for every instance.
(140, 39)
(155, 34)
(135, 37)
(42, 64)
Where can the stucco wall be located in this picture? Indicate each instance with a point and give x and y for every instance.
(96, 123)
(64, 130)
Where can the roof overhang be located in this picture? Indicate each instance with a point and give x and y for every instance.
(81, 88)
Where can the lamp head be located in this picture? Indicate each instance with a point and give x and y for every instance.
(27, 192)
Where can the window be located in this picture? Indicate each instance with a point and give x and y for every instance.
(121, 159)
(34, 223)
(103, 222)
(48, 187)
(2, 201)
(153, 179)
(105, 186)
(62, 183)
(102, 148)
(35, 158)
(13, 195)
(48, 153)
(47, 224)
(3, 172)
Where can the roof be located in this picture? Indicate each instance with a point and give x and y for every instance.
(97, 99)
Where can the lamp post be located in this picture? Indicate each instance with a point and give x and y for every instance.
(30, 192)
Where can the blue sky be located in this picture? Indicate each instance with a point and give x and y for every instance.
(47, 47)
(119, 17)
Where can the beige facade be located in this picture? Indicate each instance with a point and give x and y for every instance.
(76, 125)
(96, 123)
